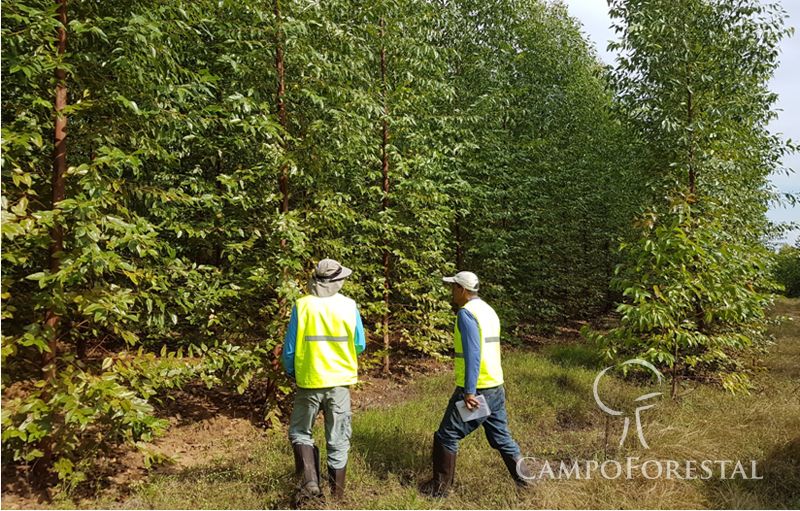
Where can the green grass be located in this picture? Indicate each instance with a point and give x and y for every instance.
(552, 415)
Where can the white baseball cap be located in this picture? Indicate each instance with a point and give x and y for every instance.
(465, 279)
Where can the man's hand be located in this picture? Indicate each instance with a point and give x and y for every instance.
(471, 402)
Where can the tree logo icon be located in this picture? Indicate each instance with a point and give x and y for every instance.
(641, 398)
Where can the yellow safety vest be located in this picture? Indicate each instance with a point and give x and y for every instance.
(491, 372)
(325, 350)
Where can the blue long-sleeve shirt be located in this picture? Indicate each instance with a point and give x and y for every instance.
(471, 344)
(290, 341)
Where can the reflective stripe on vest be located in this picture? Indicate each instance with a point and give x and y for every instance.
(325, 350)
(491, 372)
(324, 338)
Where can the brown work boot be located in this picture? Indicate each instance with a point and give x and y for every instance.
(444, 471)
(306, 465)
(519, 470)
(336, 479)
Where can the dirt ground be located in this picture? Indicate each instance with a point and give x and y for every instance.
(211, 423)
(206, 424)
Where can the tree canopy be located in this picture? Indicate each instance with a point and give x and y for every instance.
(171, 171)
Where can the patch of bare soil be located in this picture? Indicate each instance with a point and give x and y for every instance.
(377, 390)
(206, 424)
(568, 331)
(20, 492)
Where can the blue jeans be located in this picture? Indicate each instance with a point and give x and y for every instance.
(453, 428)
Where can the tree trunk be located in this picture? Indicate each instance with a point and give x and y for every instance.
(506, 213)
(692, 193)
(58, 183)
(459, 250)
(283, 180)
(674, 393)
(609, 276)
(52, 319)
(690, 117)
(220, 188)
(385, 161)
(459, 256)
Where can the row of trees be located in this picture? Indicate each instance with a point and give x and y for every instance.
(693, 77)
(171, 172)
(787, 269)
(213, 151)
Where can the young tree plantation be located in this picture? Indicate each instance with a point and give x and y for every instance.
(171, 172)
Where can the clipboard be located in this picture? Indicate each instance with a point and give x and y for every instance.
(467, 415)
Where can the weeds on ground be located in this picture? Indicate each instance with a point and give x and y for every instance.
(553, 416)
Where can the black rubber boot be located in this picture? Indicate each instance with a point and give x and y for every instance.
(444, 471)
(316, 465)
(336, 480)
(519, 470)
(306, 463)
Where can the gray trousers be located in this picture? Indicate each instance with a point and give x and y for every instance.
(335, 405)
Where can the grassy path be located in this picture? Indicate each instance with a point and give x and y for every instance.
(553, 416)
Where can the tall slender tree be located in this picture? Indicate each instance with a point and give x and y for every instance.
(385, 205)
(694, 74)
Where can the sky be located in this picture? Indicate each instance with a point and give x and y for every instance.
(596, 26)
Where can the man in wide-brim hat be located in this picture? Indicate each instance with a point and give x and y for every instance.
(324, 337)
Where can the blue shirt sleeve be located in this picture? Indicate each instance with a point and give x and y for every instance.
(289, 343)
(471, 343)
(360, 340)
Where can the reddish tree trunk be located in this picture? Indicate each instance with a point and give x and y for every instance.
(385, 160)
(52, 319)
(58, 183)
(674, 392)
(690, 117)
(219, 246)
(284, 180)
(283, 183)
(459, 256)
(692, 195)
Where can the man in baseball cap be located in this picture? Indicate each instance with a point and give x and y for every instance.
(324, 337)
(465, 279)
(478, 372)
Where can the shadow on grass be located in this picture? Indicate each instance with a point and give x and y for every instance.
(392, 449)
(574, 355)
(779, 488)
(230, 485)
